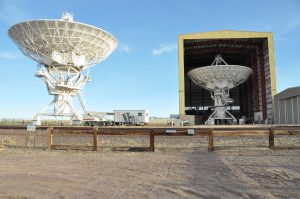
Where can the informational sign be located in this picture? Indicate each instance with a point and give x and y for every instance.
(30, 134)
(171, 131)
(31, 127)
(190, 131)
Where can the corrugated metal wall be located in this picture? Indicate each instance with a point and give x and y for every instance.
(269, 99)
(287, 110)
(268, 94)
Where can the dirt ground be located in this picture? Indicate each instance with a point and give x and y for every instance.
(237, 169)
(233, 173)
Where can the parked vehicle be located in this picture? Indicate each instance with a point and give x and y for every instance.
(131, 117)
(97, 119)
(117, 117)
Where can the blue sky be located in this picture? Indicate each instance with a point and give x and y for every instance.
(143, 72)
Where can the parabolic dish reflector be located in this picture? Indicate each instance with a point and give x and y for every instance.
(62, 42)
(220, 76)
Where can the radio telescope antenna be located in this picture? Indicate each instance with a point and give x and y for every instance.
(64, 50)
(219, 79)
(67, 17)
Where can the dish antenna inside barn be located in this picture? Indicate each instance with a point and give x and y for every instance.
(219, 79)
(64, 50)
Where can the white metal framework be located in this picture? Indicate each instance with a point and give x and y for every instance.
(64, 50)
(219, 78)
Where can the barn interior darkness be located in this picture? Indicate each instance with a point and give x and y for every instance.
(245, 52)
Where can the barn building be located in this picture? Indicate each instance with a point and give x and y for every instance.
(251, 49)
(287, 106)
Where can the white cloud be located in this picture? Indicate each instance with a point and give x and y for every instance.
(163, 49)
(124, 48)
(8, 55)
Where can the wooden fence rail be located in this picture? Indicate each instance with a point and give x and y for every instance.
(151, 132)
(210, 133)
(52, 132)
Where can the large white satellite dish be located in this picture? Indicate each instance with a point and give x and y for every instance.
(64, 50)
(219, 78)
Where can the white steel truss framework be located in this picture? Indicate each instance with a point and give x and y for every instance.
(219, 78)
(64, 50)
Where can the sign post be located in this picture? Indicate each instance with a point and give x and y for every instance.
(31, 128)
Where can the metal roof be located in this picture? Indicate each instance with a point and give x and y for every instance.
(288, 93)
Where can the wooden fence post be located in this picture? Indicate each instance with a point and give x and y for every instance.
(26, 138)
(271, 138)
(152, 141)
(50, 137)
(210, 140)
(95, 135)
